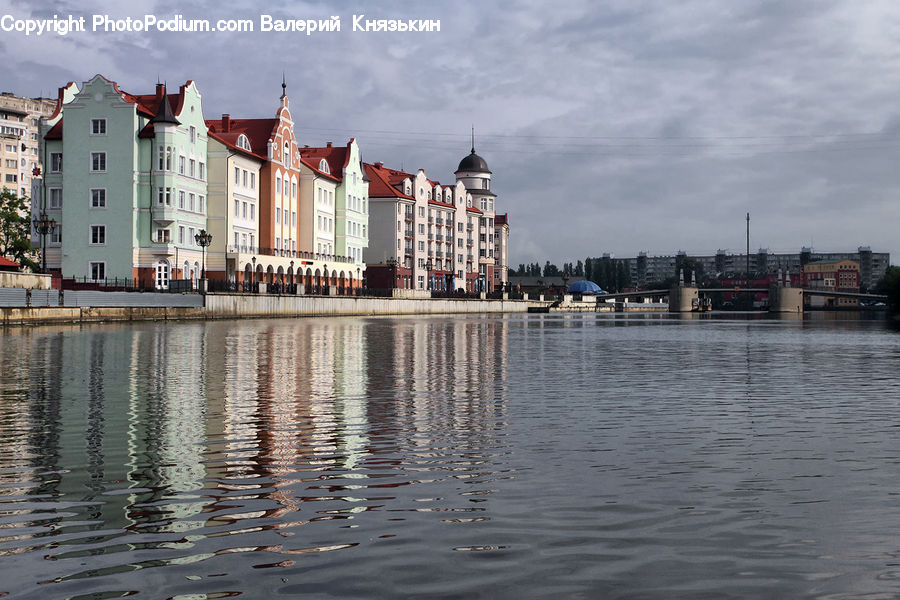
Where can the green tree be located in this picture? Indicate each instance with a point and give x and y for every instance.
(15, 230)
(889, 285)
(579, 269)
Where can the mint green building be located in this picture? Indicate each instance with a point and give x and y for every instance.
(126, 180)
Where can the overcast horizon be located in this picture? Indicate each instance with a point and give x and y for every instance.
(627, 127)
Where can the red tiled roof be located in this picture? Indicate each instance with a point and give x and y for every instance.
(337, 158)
(501, 219)
(474, 210)
(314, 166)
(5, 262)
(230, 140)
(380, 184)
(55, 132)
(258, 132)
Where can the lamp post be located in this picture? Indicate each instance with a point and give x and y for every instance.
(204, 239)
(565, 279)
(325, 278)
(358, 282)
(428, 266)
(43, 226)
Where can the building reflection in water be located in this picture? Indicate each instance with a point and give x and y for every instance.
(232, 428)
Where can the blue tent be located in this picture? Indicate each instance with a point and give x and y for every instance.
(585, 287)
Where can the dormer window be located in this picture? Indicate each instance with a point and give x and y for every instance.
(243, 142)
(323, 166)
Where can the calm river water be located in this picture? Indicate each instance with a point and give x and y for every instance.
(571, 456)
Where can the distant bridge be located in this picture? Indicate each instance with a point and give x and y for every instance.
(787, 299)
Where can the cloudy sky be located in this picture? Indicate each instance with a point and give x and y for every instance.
(615, 126)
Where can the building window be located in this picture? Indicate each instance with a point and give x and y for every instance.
(193, 167)
(98, 126)
(193, 134)
(98, 198)
(181, 161)
(56, 162)
(55, 198)
(98, 162)
(181, 235)
(278, 216)
(162, 236)
(252, 181)
(243, 209)
(190, 203)
(237, 208)
(202, 170)
(56, 235)
(98, 235)
(202, 200)
(181, 199)
(98, 271)
(237, 176)
(244, 177)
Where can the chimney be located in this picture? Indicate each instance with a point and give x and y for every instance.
(328, 144)
(226, 122)
(160, 90)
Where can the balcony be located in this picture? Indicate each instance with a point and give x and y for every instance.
(469, 258)
(438, 237)
(439, 254)
(470, 227)
(439, 221)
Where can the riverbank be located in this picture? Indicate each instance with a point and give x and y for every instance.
(232, 306)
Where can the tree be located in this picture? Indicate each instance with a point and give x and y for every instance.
(579, 269)
(889, 285)
(15, 230)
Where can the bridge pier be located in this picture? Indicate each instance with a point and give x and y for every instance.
(785, 300)
(681, 299)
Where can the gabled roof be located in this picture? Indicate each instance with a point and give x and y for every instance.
(313, 165)
(380, 184)
(258, 132)
(337, 157)
(5, 262)
(230, 140)
(147, 105)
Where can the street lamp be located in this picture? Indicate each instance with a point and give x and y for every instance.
(43, 226)
(204, 239)
(325, 274)
(428, 267)
(358, 282)
(565, 279)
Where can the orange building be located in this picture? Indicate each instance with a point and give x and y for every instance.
(836, 275)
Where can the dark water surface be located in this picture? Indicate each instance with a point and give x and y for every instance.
(571, 456)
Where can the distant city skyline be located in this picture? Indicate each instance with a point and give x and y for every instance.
(627, 127)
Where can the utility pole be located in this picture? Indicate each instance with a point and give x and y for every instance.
(748, 248)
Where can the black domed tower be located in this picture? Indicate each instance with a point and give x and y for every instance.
(474, 173)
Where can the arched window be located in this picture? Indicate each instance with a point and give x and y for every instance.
(196, 272)
(243, 142)
(162, 275)
(287, 154)
(323, 166)
(186, 270)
